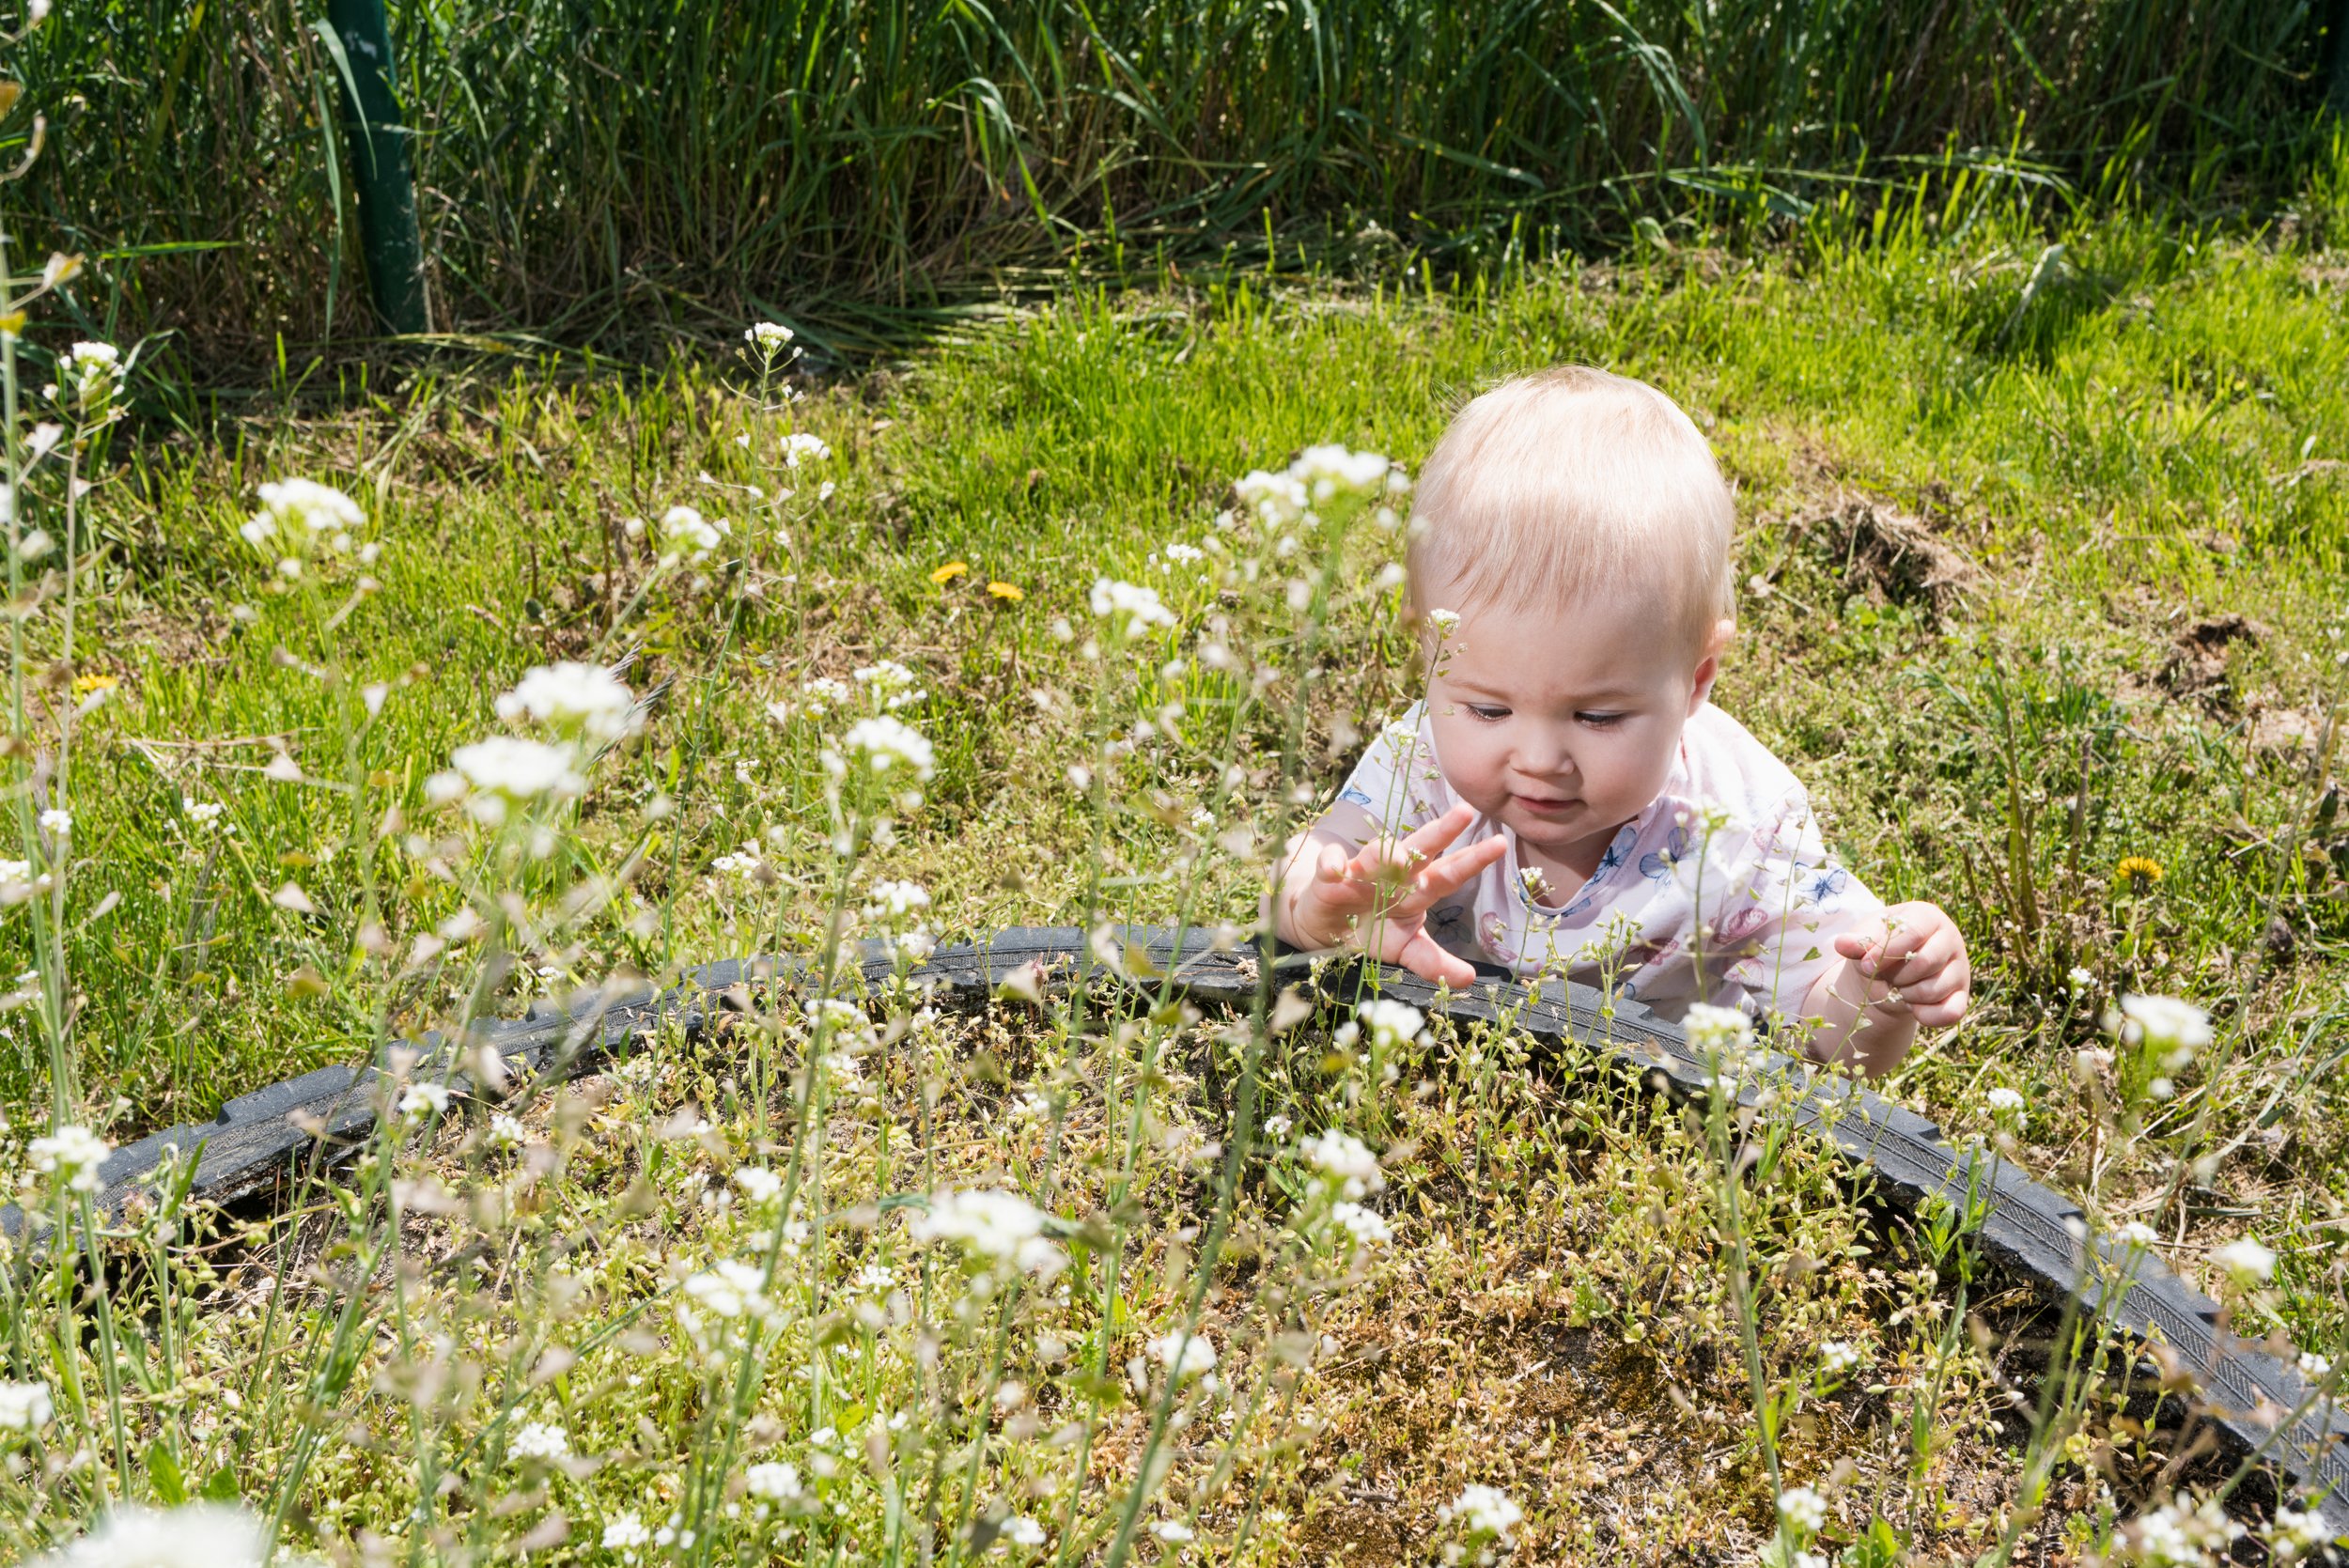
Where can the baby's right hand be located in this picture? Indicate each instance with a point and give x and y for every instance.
(1377, 900)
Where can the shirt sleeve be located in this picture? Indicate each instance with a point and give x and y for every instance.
(1785, 904)
(1397, 781)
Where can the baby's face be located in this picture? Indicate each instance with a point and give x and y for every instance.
(1564, 725)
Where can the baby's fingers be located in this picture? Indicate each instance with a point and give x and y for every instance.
(1422, 957)
(1451, 873)
(1437, 836)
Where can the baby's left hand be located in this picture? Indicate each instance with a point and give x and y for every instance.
(1916, 950)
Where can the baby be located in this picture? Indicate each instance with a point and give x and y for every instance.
(1566, 799)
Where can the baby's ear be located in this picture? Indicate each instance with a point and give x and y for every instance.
(1709, 659)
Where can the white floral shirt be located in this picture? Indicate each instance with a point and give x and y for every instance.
(1725, 866)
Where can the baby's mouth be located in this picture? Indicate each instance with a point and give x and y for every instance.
(1542, 806)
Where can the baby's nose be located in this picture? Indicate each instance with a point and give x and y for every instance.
(1545, 755)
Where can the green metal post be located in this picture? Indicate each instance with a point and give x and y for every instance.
(379, 144)
(2337, 95)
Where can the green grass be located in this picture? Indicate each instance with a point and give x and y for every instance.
(2148, 437)
(623, 171)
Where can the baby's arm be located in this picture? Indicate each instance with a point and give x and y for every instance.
(1344, 884)
(1906, 968)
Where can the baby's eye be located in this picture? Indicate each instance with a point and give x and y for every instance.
(1489, 712)
(1600, 720)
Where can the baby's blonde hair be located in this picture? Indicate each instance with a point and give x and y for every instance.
(1555, 486)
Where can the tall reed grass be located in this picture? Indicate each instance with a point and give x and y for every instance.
(618, 170)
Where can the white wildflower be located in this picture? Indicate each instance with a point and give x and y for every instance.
(200, 1535)
(2181, 1534)
(2004, 1101)
(57, 822)
(767, 337)
(1392, 1023)
(2293, 1534)
(71, 1156)
(1020, 1531)
(2173, 1029)
(1346, 1161)
(91, 370)
(687, 535)
(1184, 1355)
(299, 518)
(1170, 1532)
(423, 1100)
(505, 1131)
(2246, 1262)
(776, 1482)
(25, 1406)
(2136, 1234)
(800, 446)
(889, 684)
(540, 1440)
(729, 1290)
(574, 699)
(1485, 1513)
(1838, 1357)
(997, 1226)
(1803, 1511)
(1367, 1226)
(2079, 980)
(623, 1532)
(1131, 611)
(884, 743)
(758, 1184)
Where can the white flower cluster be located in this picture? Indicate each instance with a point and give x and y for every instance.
(769, 338)
(495, 775)
(200, 1535)
(1722, 1038)
(1346, 1164)
(818, 695)
(687, 535)
(896, 905)
(881, 745)
(1001, 1229)
(422, 1101)
(540, 1440)
(1129, 609)
(1838, 1357)
(1392, 1024)
(888, 685)
(1366, 1226)
(18, 882)
(2247, 1262)
(70, 1157)
(1184, 1355)
(25, 1406)
(799, 446)
(2004, 1102)
(2169, 1030)
(301, 520)
(2294, 1535)
(585, 701)
(775, 1485)
(1294, 497)
(1802, 1511)
(91, 372)
(1486, 1514)
(727, 1291)
(2182, 1534)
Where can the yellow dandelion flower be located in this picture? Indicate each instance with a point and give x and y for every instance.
(948, 572)
(2139, 870)
(85, 685)
(1008, 592)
